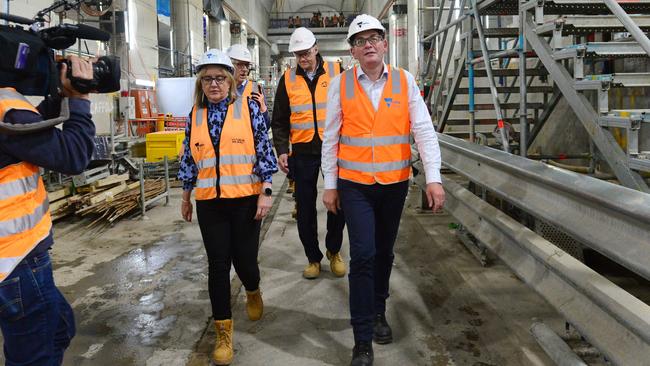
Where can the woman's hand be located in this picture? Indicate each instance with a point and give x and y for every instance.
(264, 203)
(186, 210)
(259, 98)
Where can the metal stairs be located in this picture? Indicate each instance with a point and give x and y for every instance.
(540, 51)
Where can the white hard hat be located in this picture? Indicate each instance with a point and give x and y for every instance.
(215, 57)
(363, 23)
(239, 52)
(301, 39)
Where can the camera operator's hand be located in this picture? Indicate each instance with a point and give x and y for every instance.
(81, 69)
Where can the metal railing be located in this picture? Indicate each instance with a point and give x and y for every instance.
(611, 219)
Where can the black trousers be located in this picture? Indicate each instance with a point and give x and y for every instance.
(372, 213)
(230, 235)
(306, 171)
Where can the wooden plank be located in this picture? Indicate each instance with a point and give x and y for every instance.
(59, 193)
(58, 204)
(133, 185)
(111, 179)
(107, 194)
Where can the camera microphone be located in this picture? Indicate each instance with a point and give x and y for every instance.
(64, 35)
(87, 32)
(16, 19)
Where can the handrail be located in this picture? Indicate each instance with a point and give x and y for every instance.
(611, 219)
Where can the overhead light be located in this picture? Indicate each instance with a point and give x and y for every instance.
(243, 20)
(142, 82)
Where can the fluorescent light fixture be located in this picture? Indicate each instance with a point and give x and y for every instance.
(243, 20)
(142, 82)
(133, 24)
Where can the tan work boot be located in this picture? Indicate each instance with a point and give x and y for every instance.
(311, 271)
(254, 304)
(294, 213)
(222, 354)
(336, 263)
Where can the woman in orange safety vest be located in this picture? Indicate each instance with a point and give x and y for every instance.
(228, 162)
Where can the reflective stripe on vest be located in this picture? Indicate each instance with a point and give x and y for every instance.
(11, 99)
(249, 88)
(307, 114)
(24, 208)
(374, 144)
(237, 158)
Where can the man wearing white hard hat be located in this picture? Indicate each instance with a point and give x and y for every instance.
(372, 109)
(243, 61)
(298, 120)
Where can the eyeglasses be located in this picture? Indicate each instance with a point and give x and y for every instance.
(360, 42)
(303, 54)
(243, 65)
(207, 80)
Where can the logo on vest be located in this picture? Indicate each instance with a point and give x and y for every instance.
(198, 146)
(323, 84)
(390, 101)
(236, 140)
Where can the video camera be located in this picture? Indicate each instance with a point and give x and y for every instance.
(28, 62)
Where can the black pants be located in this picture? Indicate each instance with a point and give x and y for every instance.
(306, 170)
(230, 235)
(372, 213)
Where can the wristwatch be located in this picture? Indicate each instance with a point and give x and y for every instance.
(268, 192)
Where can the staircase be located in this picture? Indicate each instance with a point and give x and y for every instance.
(572, 50)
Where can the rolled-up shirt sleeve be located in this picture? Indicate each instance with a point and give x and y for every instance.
(331, 133)
(188, 171)
(426, 139)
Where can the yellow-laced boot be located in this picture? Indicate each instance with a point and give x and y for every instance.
(223, 354)
(254, 304)
(311, 271)
(336, 263)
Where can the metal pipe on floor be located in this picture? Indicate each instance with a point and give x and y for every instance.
(554, 346)
(143, 201)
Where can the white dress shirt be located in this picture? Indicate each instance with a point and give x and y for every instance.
(422, 129)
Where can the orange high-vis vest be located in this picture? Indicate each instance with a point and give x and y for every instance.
(24, 207)
(236, 157)
(307, 114)
(374, 144)
(249, 88)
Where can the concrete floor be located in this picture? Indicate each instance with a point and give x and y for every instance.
(139, 291)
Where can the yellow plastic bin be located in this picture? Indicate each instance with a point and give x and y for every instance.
(164, 143)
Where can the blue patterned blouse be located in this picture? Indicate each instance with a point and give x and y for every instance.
(265, 165)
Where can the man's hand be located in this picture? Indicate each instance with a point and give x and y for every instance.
(331, 200)
(283, 161)
(81, 69)
(435, 196)
(259, 98)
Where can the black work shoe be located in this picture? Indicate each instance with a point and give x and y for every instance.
(382, 334)
(362, 354)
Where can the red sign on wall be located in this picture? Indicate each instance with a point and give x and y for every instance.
(400, 32)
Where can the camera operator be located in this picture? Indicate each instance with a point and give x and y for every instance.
(36, 320)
